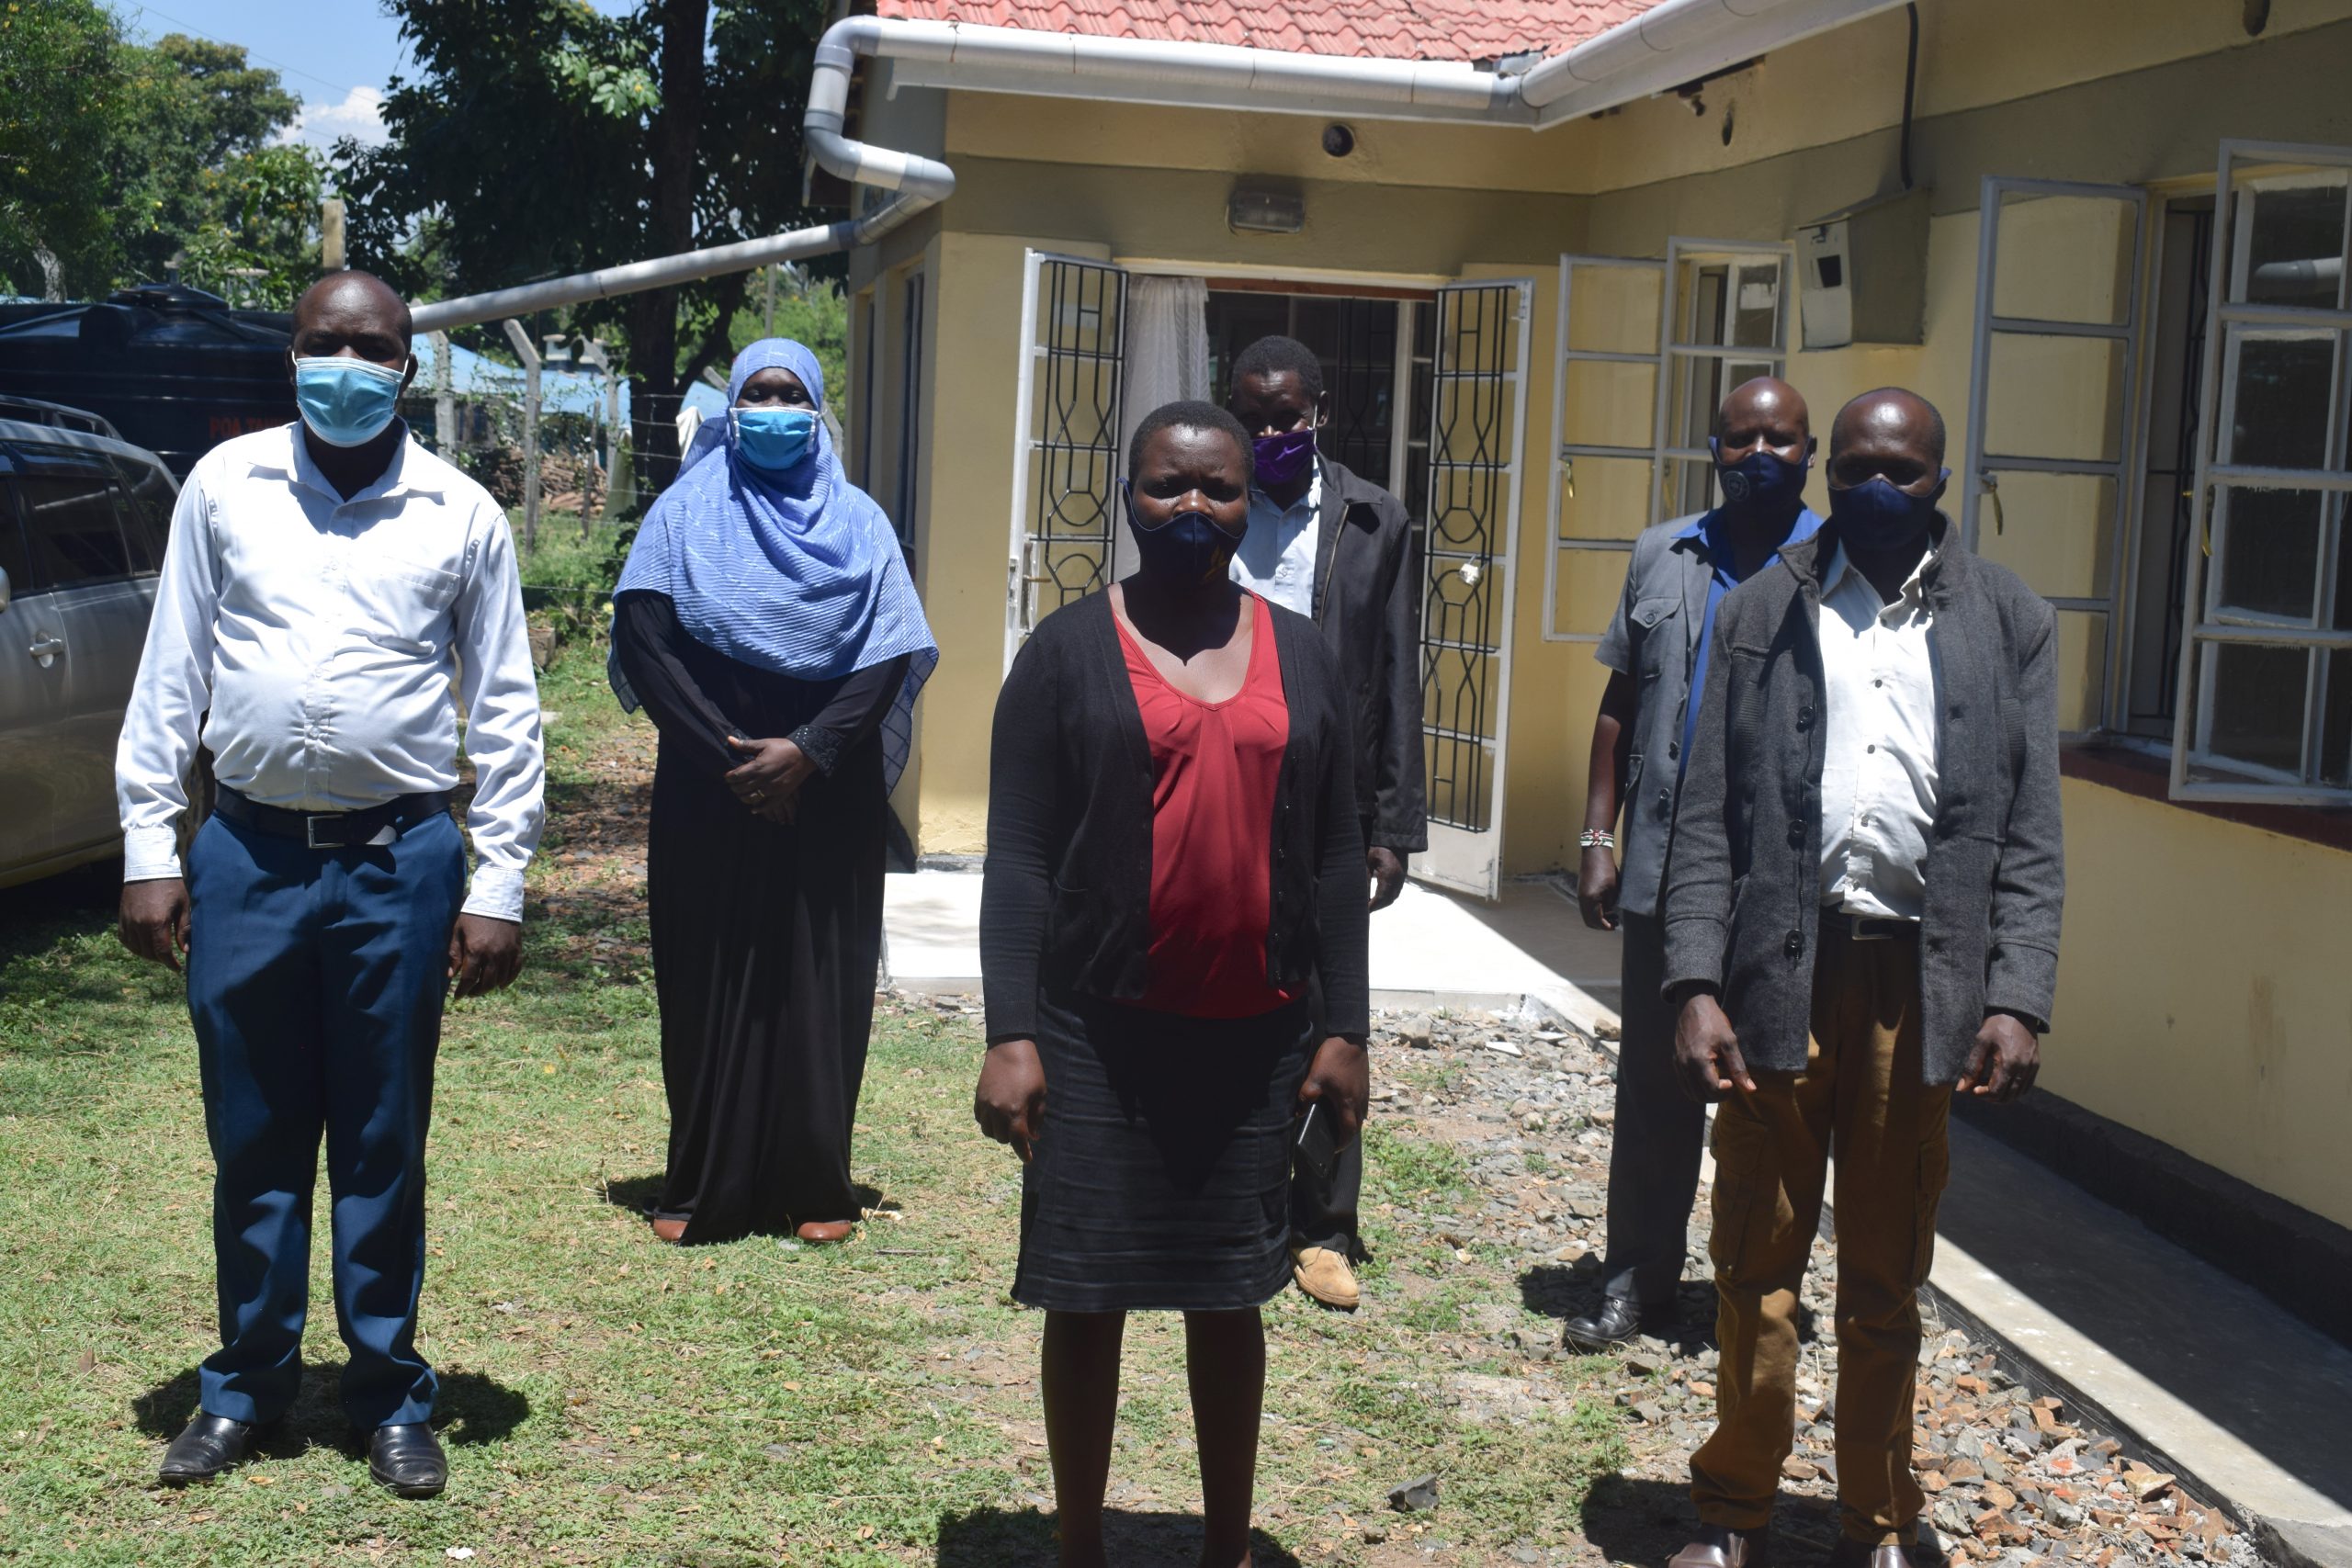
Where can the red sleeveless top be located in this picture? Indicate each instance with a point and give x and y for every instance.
(1215, 768)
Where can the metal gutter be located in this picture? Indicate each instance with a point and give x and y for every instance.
(1676, 41)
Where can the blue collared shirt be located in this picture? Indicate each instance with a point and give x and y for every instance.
(1708, 529)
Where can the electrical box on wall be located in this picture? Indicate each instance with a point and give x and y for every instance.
(1862, 274)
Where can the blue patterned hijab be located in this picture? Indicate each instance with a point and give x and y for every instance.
(797, 573)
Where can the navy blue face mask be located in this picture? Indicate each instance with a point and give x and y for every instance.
(1188, 549)
(1761, 483)
(1876, 518)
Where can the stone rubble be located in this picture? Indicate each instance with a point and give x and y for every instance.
(2010, 1476)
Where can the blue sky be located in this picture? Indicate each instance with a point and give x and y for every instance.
(335, 54)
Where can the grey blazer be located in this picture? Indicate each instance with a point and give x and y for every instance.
(1743, 890)
(1653, 639)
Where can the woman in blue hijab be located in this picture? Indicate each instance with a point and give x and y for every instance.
(765, 621)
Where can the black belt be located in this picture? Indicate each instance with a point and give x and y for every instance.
(1867, 927)
(332, 830)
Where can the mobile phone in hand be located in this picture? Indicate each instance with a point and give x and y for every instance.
(1318, 1140)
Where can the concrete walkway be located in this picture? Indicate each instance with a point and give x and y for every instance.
(2198, 1374)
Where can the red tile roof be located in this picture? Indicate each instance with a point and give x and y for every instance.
(1389, 29)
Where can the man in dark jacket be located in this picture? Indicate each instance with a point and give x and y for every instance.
(1862, 919)
(1656, 648)
(1338, 548)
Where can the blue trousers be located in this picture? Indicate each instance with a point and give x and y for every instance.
(314, 980)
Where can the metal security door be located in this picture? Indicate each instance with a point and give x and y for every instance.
(2052, 385)
(1066, 454)
(1477, 429)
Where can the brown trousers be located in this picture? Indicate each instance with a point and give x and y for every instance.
(1860, 1098)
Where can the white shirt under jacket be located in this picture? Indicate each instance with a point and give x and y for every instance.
(1878, 774)
(323, 634)
(1276, 560)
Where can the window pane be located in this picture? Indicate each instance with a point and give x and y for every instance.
(2266, 545)
(1610, 403)
(2291, 232)
(1585, 590)
(69, 516)
(1611, 499)
(1756, 306)
(2064, 258)
(2053, 396)
(146, 511)
(2082, 670)
(2257, 697)
(1689, 487)
(2278, 417)
(1613, 310)
(2054, 530)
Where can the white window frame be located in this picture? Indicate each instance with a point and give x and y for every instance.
(2228, 321)
(1672, 351)
(1981, 470)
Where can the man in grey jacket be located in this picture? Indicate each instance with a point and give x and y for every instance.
(1656, 648)
(1862, 919)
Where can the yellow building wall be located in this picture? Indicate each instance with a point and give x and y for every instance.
(2203, 996)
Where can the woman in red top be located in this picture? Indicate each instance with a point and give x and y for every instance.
(1175, 879)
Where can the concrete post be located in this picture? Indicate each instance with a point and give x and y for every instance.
(444, 401)
(528, 354)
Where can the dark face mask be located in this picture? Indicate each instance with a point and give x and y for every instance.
(1761, 483)
(1878, 519)
(1189, 548)
(1281, 458)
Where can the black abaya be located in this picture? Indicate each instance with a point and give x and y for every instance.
(765, 935)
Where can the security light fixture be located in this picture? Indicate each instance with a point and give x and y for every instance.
(1339, 139)
(1266, 212)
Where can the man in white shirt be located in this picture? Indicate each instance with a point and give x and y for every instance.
(325, 583)
(1339, 549)
(1861, 921)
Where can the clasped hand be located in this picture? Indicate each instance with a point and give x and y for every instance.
(769, 778)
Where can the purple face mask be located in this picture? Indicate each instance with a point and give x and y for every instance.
(1281, 458)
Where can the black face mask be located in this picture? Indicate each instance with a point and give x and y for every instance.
(1876, 518)
(1763, 484)
(1189, 548)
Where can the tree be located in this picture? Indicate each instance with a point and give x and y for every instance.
(540, 138)
(58, 110)
(116, 157)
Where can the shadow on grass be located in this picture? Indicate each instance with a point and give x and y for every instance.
(1561, 1294)
(638, 1194)
(1023, 1537)
(472, 1410)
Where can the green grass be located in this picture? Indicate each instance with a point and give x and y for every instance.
(614, 1401)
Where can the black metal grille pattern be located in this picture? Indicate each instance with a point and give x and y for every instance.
(1361, 380)
(1073, 436)
(1470, 436)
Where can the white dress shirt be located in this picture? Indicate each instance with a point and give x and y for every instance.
(1878, 774)
(1276, 561)
(322, 635)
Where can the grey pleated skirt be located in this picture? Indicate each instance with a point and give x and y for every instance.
(1162, 1179)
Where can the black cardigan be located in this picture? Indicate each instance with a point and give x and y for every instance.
(1066, 898)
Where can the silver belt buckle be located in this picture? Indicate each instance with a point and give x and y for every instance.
(1873, 928)
(311, 832)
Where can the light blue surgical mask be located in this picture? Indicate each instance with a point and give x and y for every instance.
(771, 439)
(347, 401)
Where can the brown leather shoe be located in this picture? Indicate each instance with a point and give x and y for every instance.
(1324, 1274)
(1849, 1553)
(671, 1231)
(1716, 1547)
(827, 1233)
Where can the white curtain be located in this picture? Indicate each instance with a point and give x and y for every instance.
(1167, 360)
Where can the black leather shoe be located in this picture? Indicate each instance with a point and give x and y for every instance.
(207, 1446)
(1712, 1546)
(408, 1460)
(1619, 1321)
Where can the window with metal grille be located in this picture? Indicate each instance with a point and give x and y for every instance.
(1066, 461)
